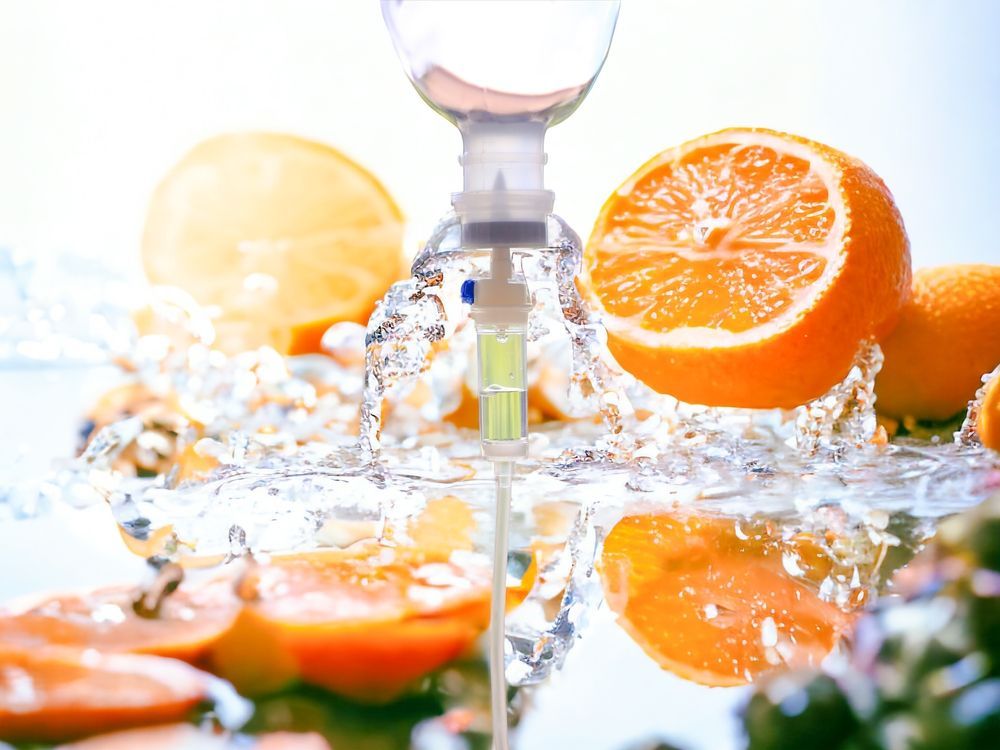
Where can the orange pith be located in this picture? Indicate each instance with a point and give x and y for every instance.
(744, 268)
(948, 337)
(56, 695)
(697, 598)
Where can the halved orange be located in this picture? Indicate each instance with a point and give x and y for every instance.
(59, 694)
(366, 622)
(189, 621)
(710, 606)
(283, 236)
(745, 267)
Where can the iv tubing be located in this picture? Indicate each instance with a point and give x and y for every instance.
(503, 474)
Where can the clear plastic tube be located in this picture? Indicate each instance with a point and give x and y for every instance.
(503, 474)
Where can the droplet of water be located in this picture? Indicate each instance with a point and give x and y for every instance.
(768, 633)
(967, 434)
(237, 542)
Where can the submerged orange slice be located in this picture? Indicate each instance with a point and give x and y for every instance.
(282, 235)
(709, 606)
(189, 621)
(364, 623)
(745, 267)
(56, 695)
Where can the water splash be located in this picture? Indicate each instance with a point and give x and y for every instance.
(844, 417)
(967, 434)
(61, 310)
(417, 313)
(413, 315)
(541, 632)
(593, 376)
(207, 458)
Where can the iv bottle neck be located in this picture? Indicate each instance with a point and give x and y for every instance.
(511, 153)
(504, 201)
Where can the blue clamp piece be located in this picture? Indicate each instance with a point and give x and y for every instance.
(469, 291)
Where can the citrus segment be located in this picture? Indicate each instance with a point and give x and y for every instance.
(55, 695)
(744, 268)
(709, 606)
(283, 235)
(948, 336)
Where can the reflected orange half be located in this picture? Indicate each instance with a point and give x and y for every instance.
(709, 606)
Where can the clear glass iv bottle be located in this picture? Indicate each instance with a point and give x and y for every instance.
(502, 73)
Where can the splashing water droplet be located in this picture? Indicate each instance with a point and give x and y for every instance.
(967, 434)
(237, 543)
(168, 577)
(844, 417)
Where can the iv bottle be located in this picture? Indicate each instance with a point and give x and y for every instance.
(502, 73)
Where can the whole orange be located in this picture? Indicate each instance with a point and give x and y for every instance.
(948, 336)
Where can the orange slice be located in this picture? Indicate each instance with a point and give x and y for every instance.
(709, 606)
(745, 267)
(948, 337)
(283, 235)
(365, 623)
(57, 695)
(189, 621)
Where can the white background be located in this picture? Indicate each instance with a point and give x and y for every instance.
(99, 98)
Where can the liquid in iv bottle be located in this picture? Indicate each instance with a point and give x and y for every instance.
(503, 413)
